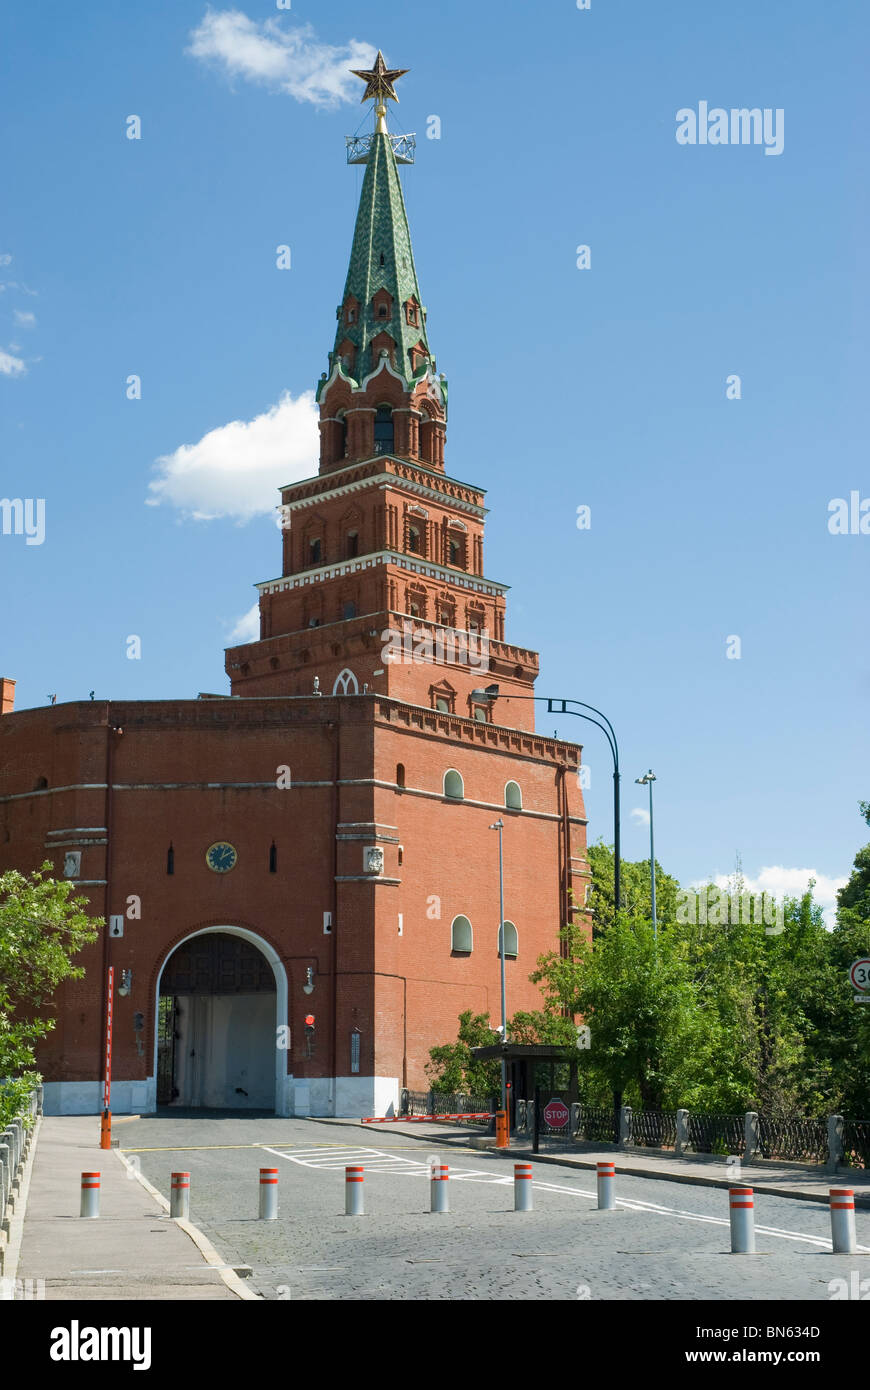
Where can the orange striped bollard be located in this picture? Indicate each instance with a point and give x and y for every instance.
(741, 1205)
(606, 1184)
(438, 1187)
(523, 1187)
(90, 1203)
(353, 1190)
(268, 1194)
(843, 1220)
(179, 1196)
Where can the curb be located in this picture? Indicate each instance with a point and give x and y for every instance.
(11, 1253)
(202, 1243)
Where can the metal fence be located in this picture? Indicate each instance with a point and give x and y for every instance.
(597, 1124)
(794, 1140)
(653, 1129)
(448, 1103)
(856, 1143)
(716, 1134)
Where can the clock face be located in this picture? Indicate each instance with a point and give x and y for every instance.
(221, 857)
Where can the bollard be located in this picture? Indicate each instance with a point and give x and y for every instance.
(90, 1195)
(523, 1187)
(438, 1185)
(179, 1196)
(742, 1214)
(843, 1220)
(501, 1130)
(606, 1184)
(268, 1194)
(106, 1129)
(353, 1190)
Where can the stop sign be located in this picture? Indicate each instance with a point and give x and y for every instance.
(556, 1114)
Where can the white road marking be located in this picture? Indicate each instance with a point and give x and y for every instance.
(380, 1161)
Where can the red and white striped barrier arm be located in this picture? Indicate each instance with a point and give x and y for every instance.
(423, 1119)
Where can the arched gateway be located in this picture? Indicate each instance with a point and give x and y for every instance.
(221, 1001)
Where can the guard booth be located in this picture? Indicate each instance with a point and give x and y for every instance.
(548, 1068)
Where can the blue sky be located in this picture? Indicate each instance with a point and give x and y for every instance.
(603, 387)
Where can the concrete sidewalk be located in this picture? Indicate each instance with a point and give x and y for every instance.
(132, 1251)
(805, 1182)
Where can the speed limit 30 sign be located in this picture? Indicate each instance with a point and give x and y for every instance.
(859, 977)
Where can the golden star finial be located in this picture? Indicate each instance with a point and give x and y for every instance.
(379, 82)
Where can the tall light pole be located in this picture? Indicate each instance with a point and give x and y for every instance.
(648, 779)
(499, 826)
(560, 706)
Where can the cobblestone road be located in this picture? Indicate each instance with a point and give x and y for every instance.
(665, 1241)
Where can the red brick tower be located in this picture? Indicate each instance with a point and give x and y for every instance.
(383, 584)
(300, 942)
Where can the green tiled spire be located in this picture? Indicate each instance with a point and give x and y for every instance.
(381, 258)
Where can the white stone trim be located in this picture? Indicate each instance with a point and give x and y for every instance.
(382, 480)
(427, 568)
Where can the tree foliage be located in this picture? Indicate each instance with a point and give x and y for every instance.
(729, 1015)
(42, 928)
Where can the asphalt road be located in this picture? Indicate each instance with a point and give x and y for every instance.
(665, 1240)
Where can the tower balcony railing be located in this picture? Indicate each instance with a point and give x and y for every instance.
(359, 148)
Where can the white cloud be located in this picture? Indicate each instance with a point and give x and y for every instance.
(24, 317)
(286, 60)
(11, 366)
(781, 882)
(236, 469)
(639, 815)
(5, 258)
(247, 629)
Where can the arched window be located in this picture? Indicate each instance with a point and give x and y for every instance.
(461, 936)
(511, 942)
(341, 441)
(315, 551)
(480, 714)
(454, 553)
(442, 705)
(513, 797)
(273, 858)
(400, 774)
(349, 609)
(384, 441)
(414, 539)
(453, 785)
(352, 544)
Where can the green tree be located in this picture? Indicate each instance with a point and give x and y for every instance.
(42, 927)
(637, 996)
(634, 888)
(451, 1067)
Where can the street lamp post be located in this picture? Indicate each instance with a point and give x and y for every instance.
(499, 826)
(560, 706)
(647, 780)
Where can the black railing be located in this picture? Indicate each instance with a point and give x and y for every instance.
(716, 1134)
(437, 1103)
(653, 1129)
(597, 1124)
(794, 1140)
(856, 1143)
